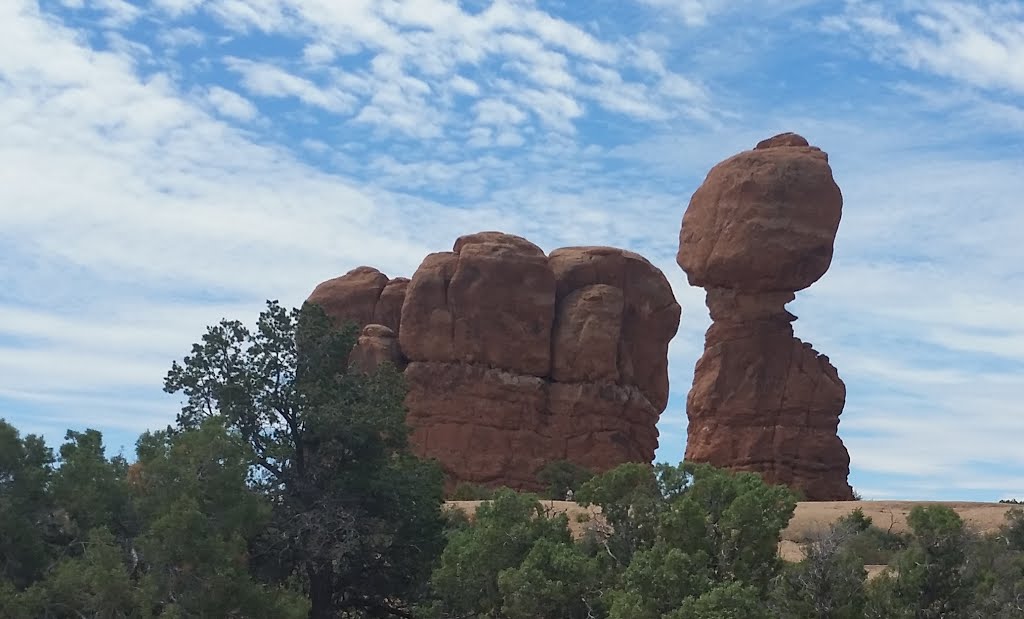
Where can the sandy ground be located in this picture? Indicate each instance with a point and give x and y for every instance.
(812, 518)
(580, 518)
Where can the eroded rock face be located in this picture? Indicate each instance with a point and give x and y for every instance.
(650, 314)
(426, 316)
(388, 311)
(362, 296)
(760, 228)
(492, 301)
(517, 359)
(588, 331)
(376, 345)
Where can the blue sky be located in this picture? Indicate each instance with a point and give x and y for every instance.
(169, 163)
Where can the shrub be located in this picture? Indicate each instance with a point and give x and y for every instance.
(467, 491)
(560, 477)
(871, 544)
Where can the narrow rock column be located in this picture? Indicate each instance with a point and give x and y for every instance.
(760, 228)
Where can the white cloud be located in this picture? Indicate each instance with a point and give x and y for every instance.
(177, 8)
(878, 25)
(699, 13)
(231, 104)
(266, 80)
(413, 43)
(682, 89)
(181, 37)
(509, 139)
(555, 109)
(981, 44)
(242, 15)
(693, 12)
(498, 112)
(118, 12)
(318, 53)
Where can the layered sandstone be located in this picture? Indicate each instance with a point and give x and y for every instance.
(760, 228)
(516, 358)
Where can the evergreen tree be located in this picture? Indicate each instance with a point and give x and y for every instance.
(928, 577)
(355, 518)
(503, 534)
(26, 507)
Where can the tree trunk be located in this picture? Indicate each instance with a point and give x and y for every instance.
(321, 595)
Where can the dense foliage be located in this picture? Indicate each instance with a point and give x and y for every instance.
(165, 537)
(286, 489)
(562, 479)
(356, 521)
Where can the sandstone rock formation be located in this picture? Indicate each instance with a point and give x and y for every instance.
(760, 228)
(489, 301)
(362, 296)
(376, 345)
(516, 359)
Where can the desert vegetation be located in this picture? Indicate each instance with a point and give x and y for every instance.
(286, 488)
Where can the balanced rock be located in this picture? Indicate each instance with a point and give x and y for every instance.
(760, 228)
(517, 359)
(763, 220)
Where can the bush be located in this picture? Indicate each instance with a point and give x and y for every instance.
(829, 582)
(467, 491)
(931, 581)
(502, 536)
(871, 544)
(1013, 530)
(560, 477)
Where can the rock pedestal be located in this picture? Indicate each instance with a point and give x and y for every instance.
(760, 228)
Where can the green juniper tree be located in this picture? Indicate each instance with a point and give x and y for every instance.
(166, 537)
(562, 477)
(927, 581)
(355, 518)
(711, 529)
(505, 531)
(678, 542)
(200, 519)
(25, 473)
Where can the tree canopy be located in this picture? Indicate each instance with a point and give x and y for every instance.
(356, 520)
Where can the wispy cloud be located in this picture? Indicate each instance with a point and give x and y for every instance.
(231, 104)
(978, 44)
(266, 80)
